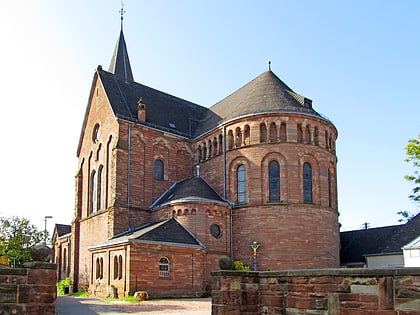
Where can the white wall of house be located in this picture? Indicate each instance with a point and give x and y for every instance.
(412, 253)
(385, 261)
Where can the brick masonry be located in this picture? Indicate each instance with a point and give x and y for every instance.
(317, 291)
(28, 291)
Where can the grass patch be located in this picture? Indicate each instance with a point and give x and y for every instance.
(79, 294)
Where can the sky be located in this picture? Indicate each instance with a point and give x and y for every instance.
(357, 60)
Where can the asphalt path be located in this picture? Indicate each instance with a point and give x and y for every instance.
(67, 305)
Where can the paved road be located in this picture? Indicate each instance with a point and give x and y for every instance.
(67, 305)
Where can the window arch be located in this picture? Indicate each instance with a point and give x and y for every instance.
(307, 183)
(230, 139)
(120, 267)
(274, 181)
(247, 135)
(273, 132)
(159, 170)
(241, 184)
(115, 267)
(99, 268)
(164, 267)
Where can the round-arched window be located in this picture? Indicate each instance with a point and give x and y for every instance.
(96, 133)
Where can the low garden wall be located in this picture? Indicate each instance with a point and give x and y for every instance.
(28, 291)
(317, 291)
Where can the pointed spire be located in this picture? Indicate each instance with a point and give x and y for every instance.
(120, 63)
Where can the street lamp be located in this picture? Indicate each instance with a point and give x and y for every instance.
(254, 247)
(45, 227)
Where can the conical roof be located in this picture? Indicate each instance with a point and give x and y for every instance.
(120, 63)
(266, 93)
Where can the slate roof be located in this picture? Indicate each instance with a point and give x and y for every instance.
(62, 229)
(194, 189)
(169, 232)
(355, 245)
(265, 94)
(120, 63)
(163, 111)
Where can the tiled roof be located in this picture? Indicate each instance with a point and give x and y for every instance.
(194, 189)
(62, 229)
(355, 245)
(169, 232)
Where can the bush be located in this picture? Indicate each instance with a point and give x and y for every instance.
(240, 265)
(63, 286)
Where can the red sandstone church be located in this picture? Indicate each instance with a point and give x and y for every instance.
(165, 187)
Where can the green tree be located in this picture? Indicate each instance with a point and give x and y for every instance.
(413, 155)
(17, 237)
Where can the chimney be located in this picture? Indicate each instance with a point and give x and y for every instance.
(141, 110)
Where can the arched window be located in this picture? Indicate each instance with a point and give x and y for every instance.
(274, 181)
(164, 268)
(273, 132)
(159, 170)
(100, 188)
(120, 267)
(230, 139)
(220, 144)
(65, 261)
(99, 268)
(263, 133)
(247, 135)
(238, 137)
(115, 267)
(307, 183)
(283, 135)
(241, 184)
(330, 189)
(93, 192)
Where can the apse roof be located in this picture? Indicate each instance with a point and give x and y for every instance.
(190, 190)
(168, 232)
(62, 229)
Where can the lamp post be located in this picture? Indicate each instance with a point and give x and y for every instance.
(254, 247)
(45, 227)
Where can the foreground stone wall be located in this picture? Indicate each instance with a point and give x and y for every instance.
(28, 291)
(317, 291)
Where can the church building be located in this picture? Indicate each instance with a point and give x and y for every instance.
(165, 187)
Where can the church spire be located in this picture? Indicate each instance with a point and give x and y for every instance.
(120, 63)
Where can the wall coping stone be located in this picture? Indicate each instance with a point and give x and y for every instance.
(40, 265)
(413, 271)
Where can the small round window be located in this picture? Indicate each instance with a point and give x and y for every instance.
(95, 133)
(216, 231)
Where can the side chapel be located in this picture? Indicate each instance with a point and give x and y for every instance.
(165, 187)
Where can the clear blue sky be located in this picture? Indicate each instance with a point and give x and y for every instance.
(357, 60)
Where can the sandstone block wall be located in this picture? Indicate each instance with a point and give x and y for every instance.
(317, 291)
(28, 291)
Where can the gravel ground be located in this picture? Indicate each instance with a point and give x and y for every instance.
(90, 306)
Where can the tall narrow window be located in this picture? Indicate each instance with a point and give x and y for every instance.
(164, 268)
(241, 184)
(159, 170)
(273, 132)
(330, 203)
(307, 183)
(263, 133)
(93, 192)
(120, 267)
(101, 269)
(65, 262)
(99, 204)
(115, 267)
(274, 181)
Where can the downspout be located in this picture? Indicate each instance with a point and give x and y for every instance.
(125, 270)
(129, 175)
(225, 191)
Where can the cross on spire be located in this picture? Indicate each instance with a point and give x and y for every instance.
(122, 14)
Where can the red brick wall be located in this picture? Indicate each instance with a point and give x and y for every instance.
(328, 291)
(28, 291)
